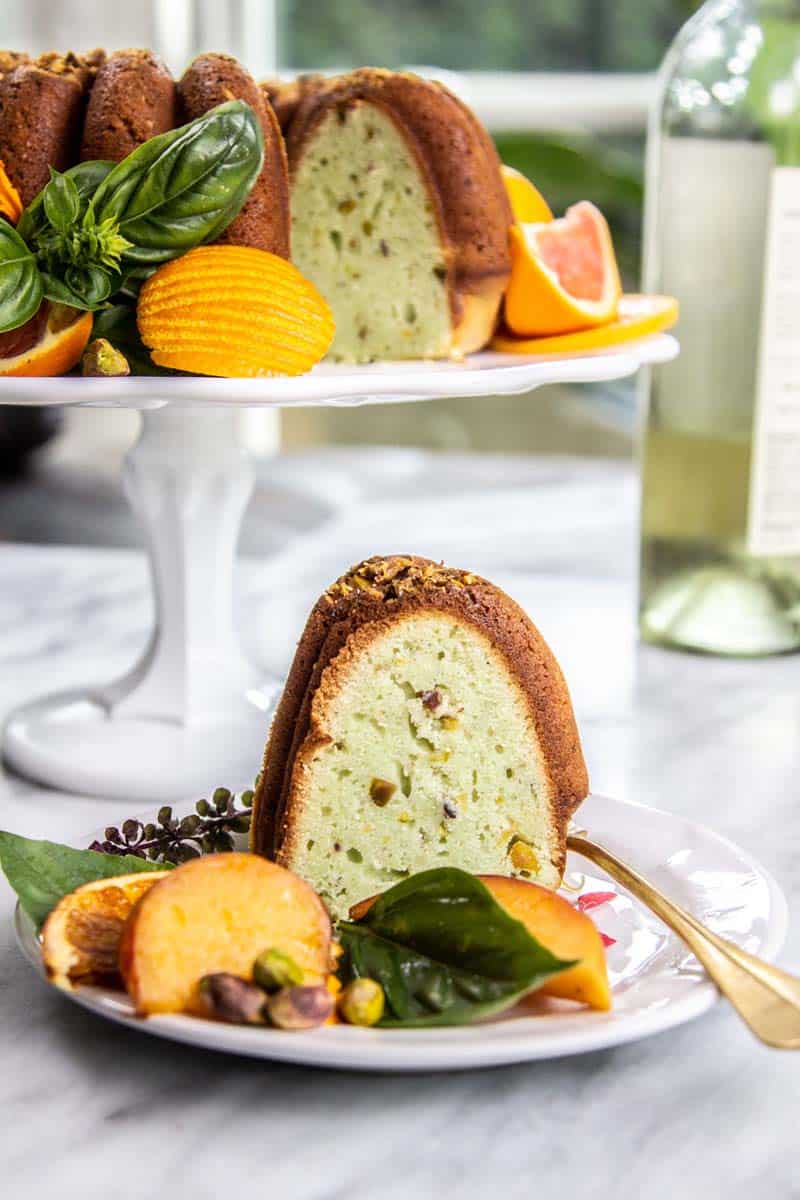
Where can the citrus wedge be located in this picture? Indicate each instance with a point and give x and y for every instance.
(637, 317)
(81, 937)
(564, 275)
(527, 203)
(57, 348)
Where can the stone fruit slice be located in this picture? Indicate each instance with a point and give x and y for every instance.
(564, 275)
(217, 914)
(81, 937)
(565, 931)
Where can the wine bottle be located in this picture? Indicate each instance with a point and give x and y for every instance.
(720, 552)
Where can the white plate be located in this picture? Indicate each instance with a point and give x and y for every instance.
(481, 374)
(657, 984)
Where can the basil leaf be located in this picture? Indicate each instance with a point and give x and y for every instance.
(444, 951)
(86, 176)
(41, 873)
(85, 288)
(183, 187)
(117, 324)
(62, 203)
(20, 280)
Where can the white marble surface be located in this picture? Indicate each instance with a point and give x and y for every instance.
(90, 1111)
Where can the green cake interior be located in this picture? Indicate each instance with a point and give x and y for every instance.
(365, 232)
(433, 762)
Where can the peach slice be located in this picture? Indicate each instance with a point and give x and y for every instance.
(564, 930)
(217, 914)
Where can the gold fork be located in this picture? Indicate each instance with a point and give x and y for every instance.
(766, 998)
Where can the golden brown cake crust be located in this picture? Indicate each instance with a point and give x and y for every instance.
(264, 221)
(285, 98)
(458, 158)
(41, 118)
(378, 591)
(133, 99)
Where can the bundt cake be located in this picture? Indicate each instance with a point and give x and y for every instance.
(399, 215)
(42, 107)
(424, 723)
(59, 109)
(263, 223)
(132, 100)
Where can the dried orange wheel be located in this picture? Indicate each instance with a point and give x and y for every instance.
(58, 348)
(81, 937)
(233, 311)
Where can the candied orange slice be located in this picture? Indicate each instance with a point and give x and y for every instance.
(81, 937)
(527, 202)
(57, 350)
(233, 311)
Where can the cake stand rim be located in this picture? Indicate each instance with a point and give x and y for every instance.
(486, 373)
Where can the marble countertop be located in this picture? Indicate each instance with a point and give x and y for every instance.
(89, 1110)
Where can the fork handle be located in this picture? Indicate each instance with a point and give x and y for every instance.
(766, 998)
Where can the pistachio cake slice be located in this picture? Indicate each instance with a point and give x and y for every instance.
(399, 215)
(424, 723)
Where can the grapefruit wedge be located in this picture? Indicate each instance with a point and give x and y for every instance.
(51, 343)
(527, 202)
(564, 275)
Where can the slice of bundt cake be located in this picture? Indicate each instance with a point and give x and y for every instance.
(424, 723)
(399, 215)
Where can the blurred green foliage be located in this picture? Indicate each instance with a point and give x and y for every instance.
(514, 35)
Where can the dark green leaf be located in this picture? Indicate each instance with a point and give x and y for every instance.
(20, 280)
(85, 288)
(183, 187)
(42, 872)
(444, 951)
(86, 177)
(62, 203)
(117, 325)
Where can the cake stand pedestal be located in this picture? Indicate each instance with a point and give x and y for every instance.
(194, 711)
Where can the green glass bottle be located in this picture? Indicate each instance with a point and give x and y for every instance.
(720, 553)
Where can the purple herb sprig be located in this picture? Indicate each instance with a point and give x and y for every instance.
(208, 830)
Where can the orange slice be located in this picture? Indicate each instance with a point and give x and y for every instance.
(564, 275)
(527, 202)
(638, 317)
(81, 937)
(57, 349)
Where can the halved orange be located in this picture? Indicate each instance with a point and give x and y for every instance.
(637, 317)
(81, 937)
(564, 275)
(527, 202)
(57, 348)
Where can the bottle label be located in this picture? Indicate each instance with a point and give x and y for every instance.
(774, 508)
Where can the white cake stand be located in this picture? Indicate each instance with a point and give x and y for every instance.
(194, 711)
